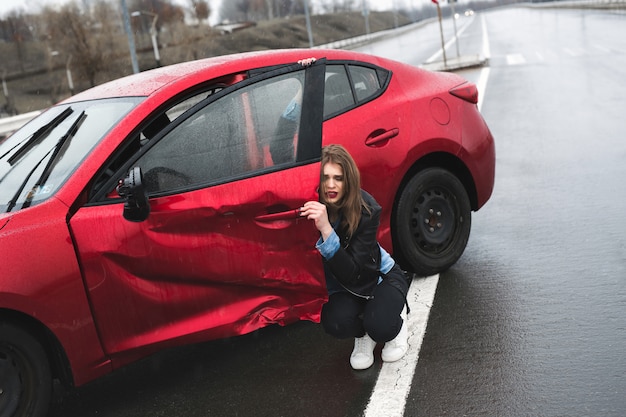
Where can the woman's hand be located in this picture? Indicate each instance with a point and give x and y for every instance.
(316, 211)
(307, 62)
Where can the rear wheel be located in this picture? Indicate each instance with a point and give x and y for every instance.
(25, 378)
(433, 221)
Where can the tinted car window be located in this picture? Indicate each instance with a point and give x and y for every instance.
(171, 114)
(250, 129)
(365, 82)
(337, 92)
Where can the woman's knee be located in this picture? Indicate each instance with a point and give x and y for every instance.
(341, 318)
(383, 330)
(381, 318)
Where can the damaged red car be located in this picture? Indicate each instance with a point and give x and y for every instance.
(159, 209)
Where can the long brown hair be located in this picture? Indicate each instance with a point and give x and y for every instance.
(352, 202)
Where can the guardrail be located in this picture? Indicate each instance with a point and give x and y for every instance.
(362, 39)
(10, 124)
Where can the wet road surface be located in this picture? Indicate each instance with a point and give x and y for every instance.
(532, 320)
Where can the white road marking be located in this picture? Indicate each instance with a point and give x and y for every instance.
(515, 59)
(602, 48)
(394, 380)
(486, 49)
(481, 84)
(575, 52)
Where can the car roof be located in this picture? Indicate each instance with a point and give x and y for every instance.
(148, 82)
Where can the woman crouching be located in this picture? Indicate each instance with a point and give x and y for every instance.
(366, 288)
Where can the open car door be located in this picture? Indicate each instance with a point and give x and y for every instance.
(221, 251)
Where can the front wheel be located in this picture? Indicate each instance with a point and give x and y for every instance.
(433, 221)
(25, 378)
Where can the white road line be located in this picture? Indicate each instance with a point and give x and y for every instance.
(515, 59)
(481, 84)
(602, 48)
(575, 52)
(394, 380)
(486, 49)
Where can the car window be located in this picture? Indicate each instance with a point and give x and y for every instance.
(365, 82)
(163, 119)
(250, 129)
(185, 105)
(337, 92)
(37, 160)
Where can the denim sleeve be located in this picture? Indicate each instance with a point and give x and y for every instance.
(386, 261)
(292, 112)
(329, 247)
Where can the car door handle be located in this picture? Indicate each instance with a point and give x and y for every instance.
(283, 215)
(380, 137)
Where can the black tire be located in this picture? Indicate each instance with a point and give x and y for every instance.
(433, 221)
(25, 378)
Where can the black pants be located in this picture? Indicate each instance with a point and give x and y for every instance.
(346, 315)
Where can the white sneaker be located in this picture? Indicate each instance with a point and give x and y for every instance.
(395, 349)
(363, 354)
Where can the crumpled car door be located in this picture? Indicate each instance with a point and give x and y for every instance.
(223, 251)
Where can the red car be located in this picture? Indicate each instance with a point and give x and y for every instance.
(160, 209)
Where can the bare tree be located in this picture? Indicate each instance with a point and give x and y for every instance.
(240, 10)
(200, 10)
(244, 8)
(283, 8)
(73, 32)
(18, 33)
(289, 7)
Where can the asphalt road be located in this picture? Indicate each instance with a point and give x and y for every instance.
(530, 322)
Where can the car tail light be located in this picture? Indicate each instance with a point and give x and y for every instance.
(466, 91)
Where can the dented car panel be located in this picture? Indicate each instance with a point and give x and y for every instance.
(202, 262)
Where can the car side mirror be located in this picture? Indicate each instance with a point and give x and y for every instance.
(131, 189)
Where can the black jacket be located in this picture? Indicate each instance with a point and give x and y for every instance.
(357, 262)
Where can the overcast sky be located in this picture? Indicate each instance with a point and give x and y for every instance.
(7, 6)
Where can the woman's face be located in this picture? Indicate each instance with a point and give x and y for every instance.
(333, 183)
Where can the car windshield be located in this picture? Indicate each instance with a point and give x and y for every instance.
(37, 159)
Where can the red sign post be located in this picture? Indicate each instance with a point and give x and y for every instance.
(443, 46)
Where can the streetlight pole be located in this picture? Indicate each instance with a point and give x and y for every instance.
(308, 22)
(68, 73)
(366, 15)
(395, 14)
(456, 37)
(153, 33)
(443, 45)
(131, 38)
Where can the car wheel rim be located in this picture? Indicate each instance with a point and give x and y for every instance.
(10, 384)
(433, 221)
